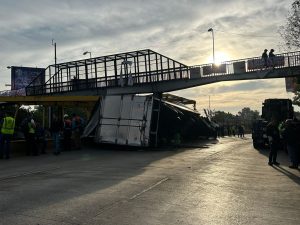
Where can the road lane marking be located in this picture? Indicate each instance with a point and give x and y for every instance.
(149, 188)
(27, 174)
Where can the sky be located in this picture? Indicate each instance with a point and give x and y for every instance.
(177, 29)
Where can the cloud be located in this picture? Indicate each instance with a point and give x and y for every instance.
(234, 95)
(177, 29)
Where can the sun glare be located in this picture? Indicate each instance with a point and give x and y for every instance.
(219, 57)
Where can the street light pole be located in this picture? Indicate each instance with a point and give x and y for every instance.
(88, 52)
(55, 58)
(213, 37)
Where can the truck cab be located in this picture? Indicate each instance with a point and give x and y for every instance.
(281, 109)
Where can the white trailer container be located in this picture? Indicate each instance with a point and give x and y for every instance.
(144, 121)
(122, 120)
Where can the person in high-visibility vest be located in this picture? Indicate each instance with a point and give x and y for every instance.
(7, 131)
(31, 137)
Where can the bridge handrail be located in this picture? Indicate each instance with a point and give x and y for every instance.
(254, 64)
(61, 81)
(246, 59)
(145, 64)
(83, 84)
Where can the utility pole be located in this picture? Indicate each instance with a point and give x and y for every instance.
(55, 58)
(213, 39)
(55, 70)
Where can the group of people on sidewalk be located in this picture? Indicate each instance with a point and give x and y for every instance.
(67, 130)
(289, 130)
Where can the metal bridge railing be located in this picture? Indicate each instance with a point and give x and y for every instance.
(125, 69)
(284, 60)
(107, 82)
(142, 67)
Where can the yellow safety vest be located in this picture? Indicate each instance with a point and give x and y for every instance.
(8, 125)
(31, 128)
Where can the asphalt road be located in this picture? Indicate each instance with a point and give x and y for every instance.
(224, 182)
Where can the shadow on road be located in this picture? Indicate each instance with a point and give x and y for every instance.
(290, 175)
(282, 158)
(76, 174)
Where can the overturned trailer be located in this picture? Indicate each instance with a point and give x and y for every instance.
(145, 120)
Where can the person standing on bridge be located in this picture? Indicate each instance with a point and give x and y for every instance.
(264, 57)
(272, 58)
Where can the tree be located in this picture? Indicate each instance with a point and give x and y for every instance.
(290, 33)
(248, 116)
(222, 117)
(245, 117)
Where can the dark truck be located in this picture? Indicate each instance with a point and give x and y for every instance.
(281, 109)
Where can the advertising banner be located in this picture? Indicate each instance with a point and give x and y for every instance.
(21, 77)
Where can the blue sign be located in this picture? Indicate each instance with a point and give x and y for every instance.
(21, 77)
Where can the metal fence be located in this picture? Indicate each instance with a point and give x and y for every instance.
(144, 66)
(284, 60)
(125, 69)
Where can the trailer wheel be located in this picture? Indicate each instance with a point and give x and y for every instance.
(255, 144)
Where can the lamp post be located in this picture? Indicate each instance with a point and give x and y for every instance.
(88, 52)
(55, 58)
(213, 37)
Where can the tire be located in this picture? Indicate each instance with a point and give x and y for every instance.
(255, 144)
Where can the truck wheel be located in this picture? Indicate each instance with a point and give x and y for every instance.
(255, 145)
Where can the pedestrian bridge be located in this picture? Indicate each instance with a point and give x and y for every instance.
(146, 71)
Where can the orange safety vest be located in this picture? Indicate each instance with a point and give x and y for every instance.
(8, 125)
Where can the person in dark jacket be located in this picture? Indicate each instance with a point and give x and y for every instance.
(41, 140)
(274, 141)
(265, 58)
(77, 127)
(272, 58)
(291, 136)
(67, 132)
(56, 128)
